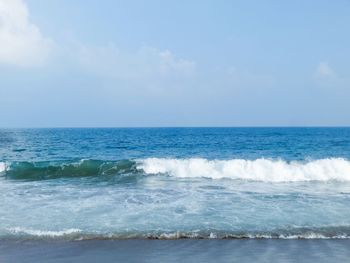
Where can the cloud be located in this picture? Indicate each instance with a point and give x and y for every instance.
(168, 63)
(21, 42)
(323, 70)
(325, 76)
(145, 63)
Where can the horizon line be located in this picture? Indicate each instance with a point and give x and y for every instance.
(169, 127)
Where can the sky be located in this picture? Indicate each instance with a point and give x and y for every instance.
(154, 63)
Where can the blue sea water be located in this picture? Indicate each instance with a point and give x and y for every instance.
(175, 183)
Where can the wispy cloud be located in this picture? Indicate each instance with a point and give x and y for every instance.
(21, 42)
(325, 76)
(323, 70)
(147, 62)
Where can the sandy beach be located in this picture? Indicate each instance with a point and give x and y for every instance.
(176, 251)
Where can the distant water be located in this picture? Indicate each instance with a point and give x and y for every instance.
(175, 183)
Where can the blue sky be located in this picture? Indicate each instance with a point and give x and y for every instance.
(174, 63)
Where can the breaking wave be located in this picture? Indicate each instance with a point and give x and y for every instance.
(256, 170)
(266, 170)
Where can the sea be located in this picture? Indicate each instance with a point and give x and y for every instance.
(78, 184)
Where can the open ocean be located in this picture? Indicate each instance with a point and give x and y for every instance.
(62, 185)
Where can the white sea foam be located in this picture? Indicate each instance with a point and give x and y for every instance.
(258, 170)
(77, 234)
(2, 167)
(43, 233)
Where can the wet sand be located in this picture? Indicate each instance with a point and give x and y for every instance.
(176, 251)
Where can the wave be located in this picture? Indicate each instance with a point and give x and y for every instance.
(54, 170)
(257, 170)
(265, 170)
(331, 232)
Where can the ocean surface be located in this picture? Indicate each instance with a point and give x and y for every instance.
(170, 183)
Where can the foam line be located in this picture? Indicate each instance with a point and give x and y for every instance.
(258, 170)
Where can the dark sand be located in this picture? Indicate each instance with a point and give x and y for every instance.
(176, 251)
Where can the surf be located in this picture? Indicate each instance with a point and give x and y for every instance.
(263, 170)
(266, 170)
